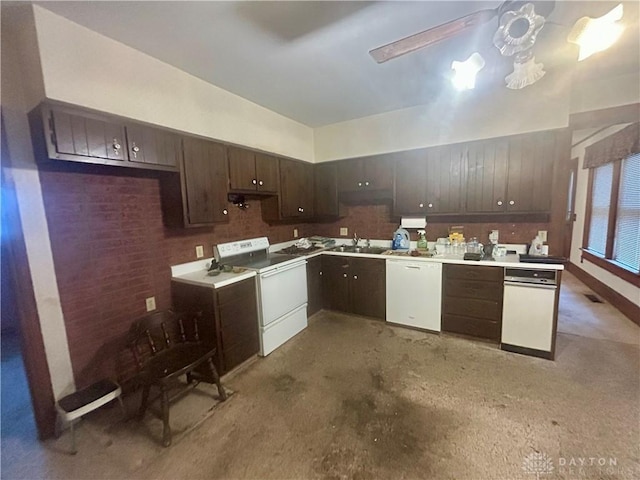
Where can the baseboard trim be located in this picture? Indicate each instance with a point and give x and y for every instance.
(622, 303)
(532, 352)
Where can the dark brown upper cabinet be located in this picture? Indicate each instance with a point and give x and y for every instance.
(151, 146)
(373, 173)
(326, 199)
(410, 186)
(444, 180)
(252, 172)
(197, 197)
(511, 174)
(74, 134)
(295, 199)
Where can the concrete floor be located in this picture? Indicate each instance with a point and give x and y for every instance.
(354, 398)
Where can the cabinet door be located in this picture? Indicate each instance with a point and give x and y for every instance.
(444, 173)
(531, 158)
(152, 146)
(350, 175)
(266, 173)
(326, 190)
(314, 285)
(410, 183)
(486, 175)
(205, 180)
(242, 169)
(335, 283)
(367, 287)
(296, 189)
(237, 312)
(378, 172)
(87, 136)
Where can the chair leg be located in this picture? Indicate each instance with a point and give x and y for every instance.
(216, 379)
(166, 429)
(74, 450)
(143, 403)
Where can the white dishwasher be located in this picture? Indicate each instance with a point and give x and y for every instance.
(529, 311)
(414, 290)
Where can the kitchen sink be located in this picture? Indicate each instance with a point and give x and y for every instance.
(354, 249)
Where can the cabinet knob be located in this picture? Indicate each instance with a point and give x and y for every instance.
(421, 205)
(355, 277)
(511, 202)
(260, 183)
(344, 275)
(499, 202)
(430, 205)
(300, 209)
(254, 181)
(359, 184)
(366, 184)
(135, 149)
(116, 146)
(225, 211)
(320, 273)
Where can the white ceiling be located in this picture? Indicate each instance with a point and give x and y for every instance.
(309, 60)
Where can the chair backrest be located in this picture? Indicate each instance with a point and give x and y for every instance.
(159, 331)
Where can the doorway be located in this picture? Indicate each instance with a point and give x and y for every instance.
(571, 174)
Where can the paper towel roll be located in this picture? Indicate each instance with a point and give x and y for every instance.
(413, 222)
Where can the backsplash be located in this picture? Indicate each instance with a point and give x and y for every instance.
(111, 251)
(374, 221)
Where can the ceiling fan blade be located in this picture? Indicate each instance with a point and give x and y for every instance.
(431, 36)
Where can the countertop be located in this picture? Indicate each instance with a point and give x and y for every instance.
(511, 260)
(195, 273)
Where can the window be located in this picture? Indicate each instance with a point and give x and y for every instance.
(612, 227)
(626, 241)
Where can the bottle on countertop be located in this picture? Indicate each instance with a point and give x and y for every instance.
(422, 244)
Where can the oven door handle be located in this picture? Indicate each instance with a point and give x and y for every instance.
(278, 270)
(529, 285)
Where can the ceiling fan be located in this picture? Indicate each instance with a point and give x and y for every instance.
(519, 25)
(451, 29)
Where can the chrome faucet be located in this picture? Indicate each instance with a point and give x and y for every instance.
(368, 243)
(356, 239)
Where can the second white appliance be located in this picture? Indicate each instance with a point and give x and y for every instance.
(529, 311)
(414, 291)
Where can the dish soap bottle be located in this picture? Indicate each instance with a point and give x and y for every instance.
(422, 241)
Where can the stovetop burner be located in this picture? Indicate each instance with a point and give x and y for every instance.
(293, 250)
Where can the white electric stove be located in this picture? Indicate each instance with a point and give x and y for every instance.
(282, 288)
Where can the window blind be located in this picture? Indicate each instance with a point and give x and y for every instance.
(626, 246)
(600, 200)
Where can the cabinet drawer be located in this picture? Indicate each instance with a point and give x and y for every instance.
(479, 289)
(472, 272)
(473, 307)
(471, 326)
(237, 354)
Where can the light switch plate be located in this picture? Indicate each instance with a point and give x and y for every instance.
(543, 235)
(199, 251)
(344, 231)
(151, 303)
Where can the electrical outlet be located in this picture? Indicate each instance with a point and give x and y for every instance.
(543, 235)
(199, 251)
(295, 233)
(344, 231)
(151, 303)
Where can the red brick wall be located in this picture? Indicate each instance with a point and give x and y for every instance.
(375, 221)
(111, 251)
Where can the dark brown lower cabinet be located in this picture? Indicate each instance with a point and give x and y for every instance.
(314, 285)
(472, 300)
(230, 318)
(354, 285)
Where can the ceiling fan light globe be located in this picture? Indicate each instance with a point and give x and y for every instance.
(466, 71)
(524, 74)
(595, 35)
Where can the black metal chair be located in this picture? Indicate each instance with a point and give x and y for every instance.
(167, 345)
